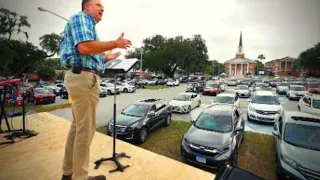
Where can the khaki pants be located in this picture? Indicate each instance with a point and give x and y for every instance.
(83, 92)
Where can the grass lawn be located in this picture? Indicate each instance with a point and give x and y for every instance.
(156, 87)
(36, 108)
(256, 154)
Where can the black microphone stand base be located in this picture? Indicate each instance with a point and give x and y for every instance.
(21, 133)
(114, 158)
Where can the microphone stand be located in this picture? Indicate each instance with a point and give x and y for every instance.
(115, 156)
(24, 132)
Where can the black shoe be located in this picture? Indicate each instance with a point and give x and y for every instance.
(66, 177)
(101, 177)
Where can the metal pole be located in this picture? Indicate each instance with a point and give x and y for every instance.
(45, 10)
(141, 63)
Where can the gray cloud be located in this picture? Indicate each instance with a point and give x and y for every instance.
(276, 28)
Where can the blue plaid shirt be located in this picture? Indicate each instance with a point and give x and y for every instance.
(80, 28)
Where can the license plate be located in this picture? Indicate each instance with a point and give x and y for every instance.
(201, 159)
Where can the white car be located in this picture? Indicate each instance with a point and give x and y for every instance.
(227, 98)
(264, 106)
(296, 92)
(173, 82)
(185, 102)
(109, 88)
(232, 82)
(242, 91)
(126, 87)
(310, 103)
(282, 87)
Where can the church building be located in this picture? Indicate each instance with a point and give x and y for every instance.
(240, 65)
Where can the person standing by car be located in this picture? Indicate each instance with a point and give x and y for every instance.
(83, 53)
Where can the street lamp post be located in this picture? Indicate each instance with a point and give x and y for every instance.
(45, 10)
(142, 48)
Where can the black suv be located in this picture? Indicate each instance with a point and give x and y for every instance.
(214, 137)
(297, 137)
(136, 120)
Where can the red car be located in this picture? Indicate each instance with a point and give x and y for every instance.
(313, 87)
(211, 89)
(42, 95)
(273, 83)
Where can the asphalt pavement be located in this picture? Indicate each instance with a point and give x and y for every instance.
(105, 107)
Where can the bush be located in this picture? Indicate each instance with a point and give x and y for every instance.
(46, 73)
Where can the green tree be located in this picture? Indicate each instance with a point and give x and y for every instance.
(310, 58)
(50, 43)
(45, 73)
(12, 22)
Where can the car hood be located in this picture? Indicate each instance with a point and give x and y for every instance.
(179, 103)
(307, 158)
(265, 107)
(241, 91)
(207, 138)
(124, 120)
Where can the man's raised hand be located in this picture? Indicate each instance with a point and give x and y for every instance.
(123, 43)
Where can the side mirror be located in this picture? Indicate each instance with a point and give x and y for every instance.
(239, 129)
(249, 100)
(309, 105)
(192, 121)
(151, 114)
(275, 133)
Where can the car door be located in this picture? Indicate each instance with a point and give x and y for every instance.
(307, 104)
(161, 112)
(196, 98)
(237, 123)
(151, 120)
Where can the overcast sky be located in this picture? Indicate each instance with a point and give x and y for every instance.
(276, 28)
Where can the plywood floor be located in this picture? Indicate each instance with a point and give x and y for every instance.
(41, 157)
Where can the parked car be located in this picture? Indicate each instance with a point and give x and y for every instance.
(227, 98)
(41, 96)
(297, 137)
(211, 89)
(173, 82)
(242, 91)
(138, 119)
(310, 103)
(264, 106)
(185, 102)
(214, 137)
(109, 88)
(222, 85)
(313, 87)
(232, 82)
(125, 87)
(282, 87)
(64, 93)
(273, 82)
(296, 92)
(193, 87)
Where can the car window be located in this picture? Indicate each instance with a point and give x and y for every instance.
(160, 105)
(280, 126)
(153, 108)
(214, 122)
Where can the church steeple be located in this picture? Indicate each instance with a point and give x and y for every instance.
(240, 50)
(240, 53)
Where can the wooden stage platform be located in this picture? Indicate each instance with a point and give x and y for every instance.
(40, 157)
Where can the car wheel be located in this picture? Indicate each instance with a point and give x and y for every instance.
(189, 109)
(109, 92)
(143, 134)
(168, 120)
(199, 103)
(299, 108)
(125, 90)
(248, 118)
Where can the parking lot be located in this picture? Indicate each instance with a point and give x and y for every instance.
(105, 108)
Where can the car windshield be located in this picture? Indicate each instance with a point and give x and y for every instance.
(182, 97)
(283, 84)
(224, 99)
(314, 85)
(242, 87)
(304, 136)
(41, 91)
(212, 86)
(298, 88)
(137, 110)
(272, 100)
(212, 122)
(316, 104)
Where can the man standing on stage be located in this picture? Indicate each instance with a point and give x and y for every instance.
(83, 53)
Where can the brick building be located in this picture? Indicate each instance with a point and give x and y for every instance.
(282, 67)
(240, 65)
